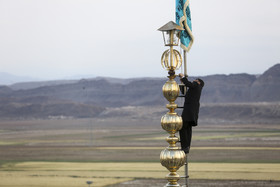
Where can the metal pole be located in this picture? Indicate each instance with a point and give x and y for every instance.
(185, 64)
(171, 49)
(186, 164)
(187, 172)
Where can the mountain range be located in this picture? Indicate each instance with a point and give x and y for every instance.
(91, 97)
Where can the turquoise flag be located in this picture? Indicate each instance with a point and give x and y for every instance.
(183, 18)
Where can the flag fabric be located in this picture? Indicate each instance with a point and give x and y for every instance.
(183, 18)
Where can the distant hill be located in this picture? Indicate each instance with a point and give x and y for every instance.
(37, 84)
(267, 86)
(45, 107)
(103, 92)
(228, 88)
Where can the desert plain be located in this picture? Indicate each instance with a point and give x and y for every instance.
(124, 151)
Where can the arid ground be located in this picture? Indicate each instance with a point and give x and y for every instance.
(125, 152)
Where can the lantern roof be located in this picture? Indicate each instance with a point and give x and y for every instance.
(170, 26)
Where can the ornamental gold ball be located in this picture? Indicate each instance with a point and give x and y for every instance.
(171, 122)
(171, 90)
(172, 159)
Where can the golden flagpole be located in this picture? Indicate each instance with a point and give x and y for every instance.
(172, 157)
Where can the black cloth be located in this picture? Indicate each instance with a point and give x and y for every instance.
(190, 112)
(191, 104)
(186, 136)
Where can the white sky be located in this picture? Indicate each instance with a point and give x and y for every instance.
(52, 39)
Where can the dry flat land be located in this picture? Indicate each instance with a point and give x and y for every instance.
(69, 152)
(76, 174)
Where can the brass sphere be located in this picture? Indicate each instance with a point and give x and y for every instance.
(172, 159)
(171, 122)
(171, 90)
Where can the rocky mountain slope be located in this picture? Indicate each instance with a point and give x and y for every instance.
(90, 97)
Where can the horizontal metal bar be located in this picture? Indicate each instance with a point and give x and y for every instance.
(184, 177)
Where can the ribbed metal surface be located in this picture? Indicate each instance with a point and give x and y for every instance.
(172, 157)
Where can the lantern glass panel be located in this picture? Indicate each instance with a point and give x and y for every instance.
(176, 37)
(167, 37)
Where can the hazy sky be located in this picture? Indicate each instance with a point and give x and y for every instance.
(53, 39)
